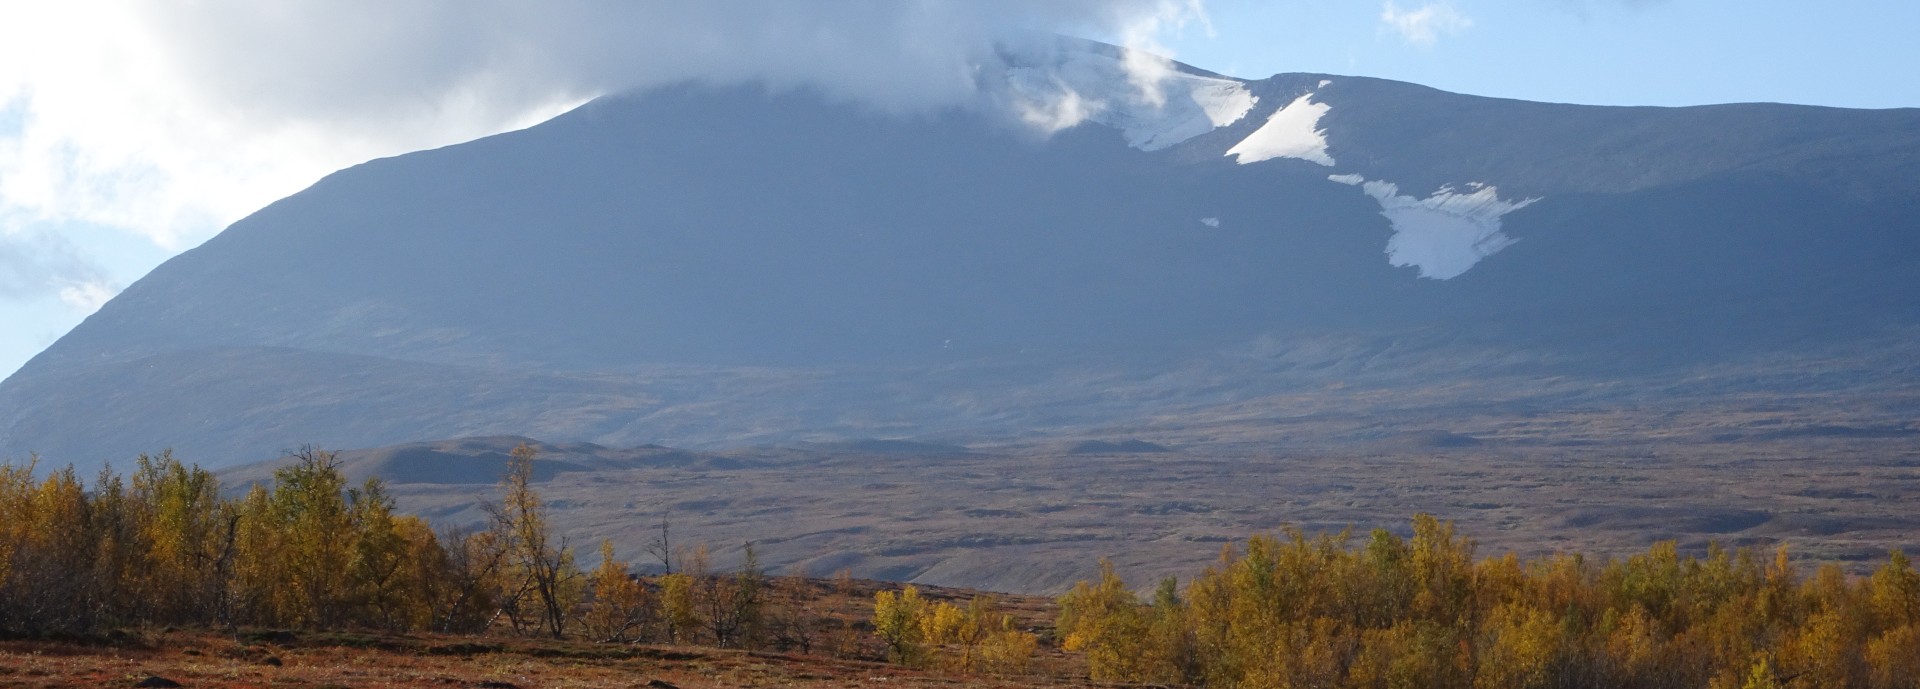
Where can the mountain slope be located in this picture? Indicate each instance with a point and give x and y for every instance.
(704, 266)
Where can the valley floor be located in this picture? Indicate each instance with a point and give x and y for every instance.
(1035, 522)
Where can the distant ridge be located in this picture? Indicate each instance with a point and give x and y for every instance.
(1108, 447)
(480, 461)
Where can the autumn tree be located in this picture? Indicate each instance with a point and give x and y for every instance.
(545, 583)
(1894, 592)
(1519, 648)
(53, 566)
(472, 570)
(191, 532)
(898, 620)
(1299, 611)
(1170, 654)
(618, 608)
(16, 515)
(1006, 649)
(300, 542)
(311, 552)
(1893, 659)
(735, 605)
(1105, 620)
(377, 573)
(793, 622)
(677, 608)
(424, 577)
(974, 638)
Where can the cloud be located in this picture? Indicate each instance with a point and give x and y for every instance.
(88, 296)
(170, 120)
(1064, 110)
(1423, 26)
(1146, 64)
(40, 265)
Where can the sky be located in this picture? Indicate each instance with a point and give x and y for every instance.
(132, 130)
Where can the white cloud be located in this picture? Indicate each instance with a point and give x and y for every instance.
(1055, 85)
(37, 264)
(170, 120)
(1145, 61)
(1423, 26)
(1064, 109)
(88, 296)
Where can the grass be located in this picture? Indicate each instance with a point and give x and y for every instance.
(209, 659)
(316, 660)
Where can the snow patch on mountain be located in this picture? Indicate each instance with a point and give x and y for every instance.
(1443, 235)
(1059, 89)
(1290, 132)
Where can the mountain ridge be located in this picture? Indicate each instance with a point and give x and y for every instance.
(619, 273)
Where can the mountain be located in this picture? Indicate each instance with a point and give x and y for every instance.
(709, 267)
(479, 462)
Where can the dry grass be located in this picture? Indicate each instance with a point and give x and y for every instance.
(212, 660)
(319, 660)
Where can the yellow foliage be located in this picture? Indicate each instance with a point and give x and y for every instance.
(1825, 651)
(677, 607)
(1635, 646)
(619, 602)
(1008, 651)
(899, 621)
(957, 637)
(1761, 675)
(1412, 654)
(941, 624)
(1895, 659)
(16, 483)
(1299, 611)
(1105, 620)
(1894, 592)
(1518, 649)
(548, 586)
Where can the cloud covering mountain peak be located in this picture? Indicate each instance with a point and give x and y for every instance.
(173, 120)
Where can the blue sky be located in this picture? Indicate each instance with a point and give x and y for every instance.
(131, 130)
(1853, 53)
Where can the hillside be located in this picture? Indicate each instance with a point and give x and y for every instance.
(712, 268)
